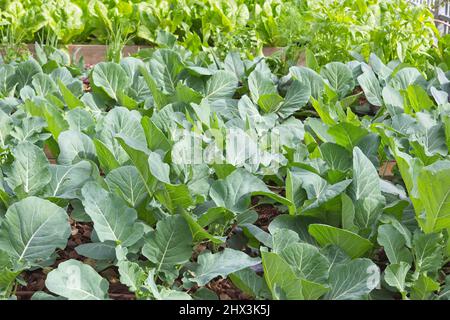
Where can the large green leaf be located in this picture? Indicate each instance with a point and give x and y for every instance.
(220, 264)
(110, 77)
(393, 243)
(170, 244)
(221, 85)
(354, 245)
(67, 181)
(371, 87)
(279, 276)
(29, 173)
(75, 280)
(340, 77)
(235, 190)
(33, 229)
(434, 192)
(75, 146)
(123, 122)
(127, 183)
(365, 191)
(352, 280)
(113, 219)
(306, 261)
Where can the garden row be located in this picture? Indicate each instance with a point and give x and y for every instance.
(333, 30)
(172, 176)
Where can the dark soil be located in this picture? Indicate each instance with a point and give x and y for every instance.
(226, 290)
(266, 213)
(81, 233)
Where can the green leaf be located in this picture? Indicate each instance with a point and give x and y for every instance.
(131, 275)
(371, 87)
(221, 85)
(278, 274)
(340, 78)
(75, 280)
(428, 252)
(97, 250)
(113, 219)
(306, 261)
(352, 280)
(297, 96)
(33, 229)
(434, 193)
(365, 191)
(123, 122)
(235, 190)
(74, 147)
(156, 140)
(70, 99)
(393, 243)
(67, 181)
(354, 245)
(250, 283)
(105, 157)
(259, 84)
(311, 78)
(126, 182)
(270, 102)
(347, 134)
(110, 77)
(221, 264)
(170, 244)
(423, 288)
(395, 276)
(29, 172)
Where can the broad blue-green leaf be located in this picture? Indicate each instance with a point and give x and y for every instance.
(260, 84)
(126, 182)
(123, 122)
(347, 135)
(131, 274)
(428, 252)
(354, 245)
(340, 77)
(279, 276)
(29, 172)
(250, 283)
(110, 77)
(365, 191)
(434, 193)
(113, 219)
(235, 190)
(33, 229)
(310, 77)
(298, 224)
(75, 280)
(97, 250)
(353, 280)
(394, 244)
(406, 77)
(67, 181)
(395, 275)
(75, 146)
(306, 261)
(297, 96)
(165, 67)
(371, 87)
(221, 85)
(24, 73)
(170, 244)
(211, 265)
